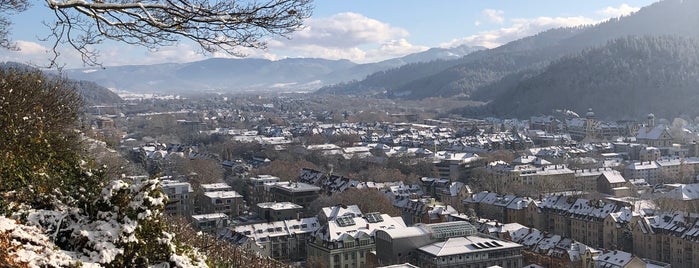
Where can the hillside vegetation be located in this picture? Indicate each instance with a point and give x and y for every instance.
(628, 77)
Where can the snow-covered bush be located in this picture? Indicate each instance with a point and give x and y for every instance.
(125, 229)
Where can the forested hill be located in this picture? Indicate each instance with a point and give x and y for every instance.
(626, 78)
(485, 69)
(92, 93)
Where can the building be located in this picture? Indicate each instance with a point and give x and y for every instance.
(549, 250)
(470, 251)
(502, 208)
(256, 192)
(226, 202)
(649, 154)
(611, 182)
(525, 176)
(620, 259)
(180, 195)
(586, 179)
(654, 135)
(448, 244)
(278, 211)
(347, 238)
(282, 240)
(425, 210)
(589, 128)
(298, 193)
(648, 171)
(617, 234)
(587, 220)
(210, 223)
(546, 123)
(454, 193)
(215, 187)
(453, 165)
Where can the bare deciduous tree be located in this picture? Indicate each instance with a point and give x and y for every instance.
(216, 25)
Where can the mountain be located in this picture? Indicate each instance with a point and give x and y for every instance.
(249, 73)
(92, 93)
(212, 74)
(478, 71)
(627, 78)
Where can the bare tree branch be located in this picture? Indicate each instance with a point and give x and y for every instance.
(215, 25)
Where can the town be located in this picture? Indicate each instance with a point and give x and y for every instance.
(308, 181)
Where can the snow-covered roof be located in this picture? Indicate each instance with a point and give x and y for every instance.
(330, 213)
(649, 133)
(222, 195)
(615, 258)
(684, 192)
(279, 205)
(177, 186)
(261, 232)
(613, 176)
(465, 245)
(342, 227)
(213, 187)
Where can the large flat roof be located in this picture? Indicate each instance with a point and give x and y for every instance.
(465, 245)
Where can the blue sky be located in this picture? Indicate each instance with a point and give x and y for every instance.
(358, 30)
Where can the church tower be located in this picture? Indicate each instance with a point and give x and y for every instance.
(590, 123)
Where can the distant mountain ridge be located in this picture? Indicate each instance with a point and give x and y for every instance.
(249, 73)
(495, 69)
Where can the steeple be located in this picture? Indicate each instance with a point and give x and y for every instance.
(650, 121)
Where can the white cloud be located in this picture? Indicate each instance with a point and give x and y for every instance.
(614, 12)
(493, 15)
(345, 30)
(30, 48)
(34, 53)
(349, 36)
(520, 28)
(393, 49)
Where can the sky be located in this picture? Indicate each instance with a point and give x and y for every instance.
(362, 31)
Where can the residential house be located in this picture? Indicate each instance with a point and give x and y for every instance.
(671, 238)
(611, 182)
(278, 211)
(180, 195)
(210, 223)
(295, 192)
(502, 208)
(425, 210)
(282, 240)
(648, 171)
(618, 258)
(226, 202)
(587, 220)
(256, 192)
